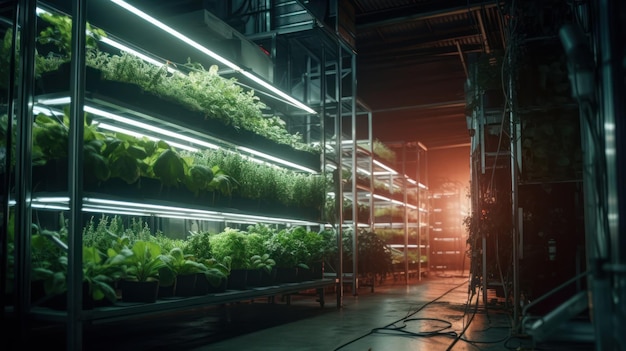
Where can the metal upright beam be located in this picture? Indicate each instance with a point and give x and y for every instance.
(26, 22)
(612, 109)
(75, 177)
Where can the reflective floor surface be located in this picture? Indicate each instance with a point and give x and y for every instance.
(435, 313)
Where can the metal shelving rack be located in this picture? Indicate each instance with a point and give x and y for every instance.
(310, 66)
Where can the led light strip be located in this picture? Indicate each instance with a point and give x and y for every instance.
(141, 209)
(209, 53)
(275, 159)
(139, 135)
(380, 197)
(105, 114)
(149, 127)
(382, 165)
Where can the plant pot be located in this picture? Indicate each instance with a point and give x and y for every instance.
(253, 278)
(315, 271)
(286, 275)
(203, 286)
(186, 285)
(59, 301)
(167, 291)
(268, 278)
(237, 279)
(134, 291)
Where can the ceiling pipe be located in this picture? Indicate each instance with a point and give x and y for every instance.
(457, 103)
(458, 48)
(482, 31)
(427, 15)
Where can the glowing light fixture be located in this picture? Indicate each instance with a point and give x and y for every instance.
(275, 159)
(146, 209)
(149, 127)
(139, 135)
(385, 167)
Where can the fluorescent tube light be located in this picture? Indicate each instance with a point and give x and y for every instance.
(210, 53)
(128, 121)
(275, 159)
(139, 135)
(150, 127)
(387, 168)
(57, 101)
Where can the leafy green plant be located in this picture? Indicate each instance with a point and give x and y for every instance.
(144, 262)
(263, 262)
(181, 263)
(287, 249)
(58, 33)
(216, 272)
(199, 245)
(231, 243)
(101, 271)
(384, 152)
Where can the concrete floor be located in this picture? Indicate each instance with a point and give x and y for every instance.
(424, 315)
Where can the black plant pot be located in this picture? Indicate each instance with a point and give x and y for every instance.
(133, 291)
(203, 286)
(286, 275)
(59, 301)
(253, 278)
(167, 291)
(268, 278)
(186, 285)
(237, 279)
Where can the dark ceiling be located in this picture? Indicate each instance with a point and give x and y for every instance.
(411, 64)
(412, 61)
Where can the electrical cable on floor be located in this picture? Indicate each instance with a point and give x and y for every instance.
(392, 327)
(460, 335)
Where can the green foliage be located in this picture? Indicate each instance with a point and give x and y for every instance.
(199, 90)
(216, 271)
(178, 263)
(231, 243)
(199, 245)
(381, 150)
(169, 167)
(253, 180)
(101, 271)
(379, 258)
(59, 34)
(287, 248)
(144, 262)
(263, 262)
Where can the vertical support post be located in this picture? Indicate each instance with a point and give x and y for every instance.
(338, 181)
(406, 215)
(355, 196)
(611, 56)
(75, 177)
(513, 133)
(8, 161)
(26, 24)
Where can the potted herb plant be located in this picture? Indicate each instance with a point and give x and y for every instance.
(184, 269)
(232, 243)
(140, 281)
